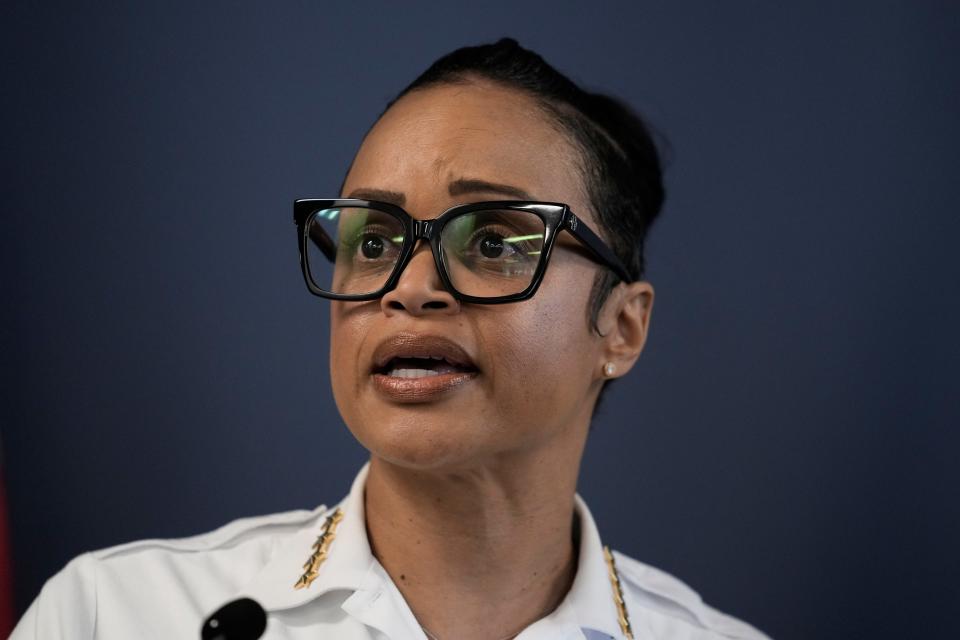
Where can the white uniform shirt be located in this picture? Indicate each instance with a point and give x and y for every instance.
(165, 589)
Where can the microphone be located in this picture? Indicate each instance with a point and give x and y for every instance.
(242, 619)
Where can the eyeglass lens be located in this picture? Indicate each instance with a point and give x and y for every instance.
(488, 253)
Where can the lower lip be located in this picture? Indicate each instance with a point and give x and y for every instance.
(420, 389)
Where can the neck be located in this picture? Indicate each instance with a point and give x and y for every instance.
(476, 553)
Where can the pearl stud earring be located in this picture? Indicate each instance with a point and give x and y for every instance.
(609, 369)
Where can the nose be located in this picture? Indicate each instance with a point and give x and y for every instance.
(420, 290)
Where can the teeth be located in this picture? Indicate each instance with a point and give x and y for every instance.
(412, 373)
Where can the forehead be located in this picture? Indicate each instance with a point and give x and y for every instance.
(475, 131)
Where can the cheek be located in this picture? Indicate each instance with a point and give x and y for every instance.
(347, 332)
(544, 356)
(341, 333)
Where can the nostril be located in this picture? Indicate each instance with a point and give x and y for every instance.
(394, 304)
(435, 304)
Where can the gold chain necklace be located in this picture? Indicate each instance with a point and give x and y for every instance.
(329, 531)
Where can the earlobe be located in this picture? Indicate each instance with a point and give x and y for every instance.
(624, 323)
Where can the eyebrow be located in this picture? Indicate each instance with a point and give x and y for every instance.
(393, 197)
(468, 185)
(458, 187)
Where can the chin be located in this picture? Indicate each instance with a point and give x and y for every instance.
(422, 444)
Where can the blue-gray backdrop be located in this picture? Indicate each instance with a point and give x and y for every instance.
(788, 443)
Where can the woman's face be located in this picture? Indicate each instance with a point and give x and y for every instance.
(524, 376)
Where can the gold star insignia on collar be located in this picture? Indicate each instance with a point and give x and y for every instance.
(623, 617)
(320, 549)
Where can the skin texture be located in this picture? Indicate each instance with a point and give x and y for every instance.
(470, 495)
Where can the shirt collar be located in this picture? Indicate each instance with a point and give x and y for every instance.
(590, 599)
(350, 564)
(348, 561)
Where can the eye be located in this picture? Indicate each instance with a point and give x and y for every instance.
(492, 245)
(497, 242)
(373, 242)
(371, 246)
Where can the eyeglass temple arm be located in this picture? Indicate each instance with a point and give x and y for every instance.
(317, 234)
(323, 242)
(595, 245)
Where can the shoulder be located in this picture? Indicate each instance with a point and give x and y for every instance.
(235, 534)
(168, 582)
(672, 609)
(230, 554)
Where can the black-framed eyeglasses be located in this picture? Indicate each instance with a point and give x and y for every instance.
(485, 252)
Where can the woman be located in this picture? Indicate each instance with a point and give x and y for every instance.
(484, 267)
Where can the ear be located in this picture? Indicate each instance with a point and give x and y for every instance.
(623, 322)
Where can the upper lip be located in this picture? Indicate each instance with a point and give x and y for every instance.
(415, 345)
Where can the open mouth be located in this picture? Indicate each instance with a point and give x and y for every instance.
(422, 367)
(414, 367)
